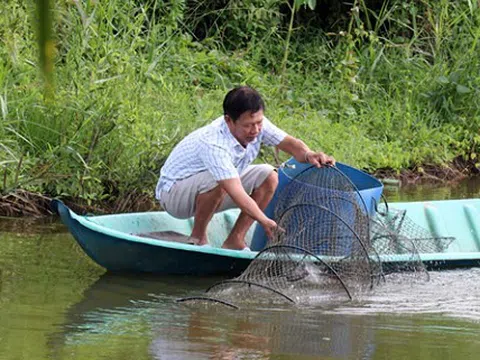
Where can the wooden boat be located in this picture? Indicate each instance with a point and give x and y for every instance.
(156, 242)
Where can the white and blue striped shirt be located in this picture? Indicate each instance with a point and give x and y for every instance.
(214, 148)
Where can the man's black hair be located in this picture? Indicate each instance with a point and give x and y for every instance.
(242, 99)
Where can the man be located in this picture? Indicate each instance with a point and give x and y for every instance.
(209, 170)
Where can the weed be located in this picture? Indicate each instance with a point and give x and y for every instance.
(389, 86)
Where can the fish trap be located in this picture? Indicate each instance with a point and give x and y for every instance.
(329, 244)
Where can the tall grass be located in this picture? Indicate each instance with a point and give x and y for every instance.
(396, 86)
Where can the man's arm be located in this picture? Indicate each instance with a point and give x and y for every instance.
(234, 188)
(302, 153)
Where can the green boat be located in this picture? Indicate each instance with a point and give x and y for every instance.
(155, 242)
(119, 242)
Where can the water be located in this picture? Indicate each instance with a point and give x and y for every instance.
(55, 303)
(465, 189)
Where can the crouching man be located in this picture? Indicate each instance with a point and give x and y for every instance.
(210, 169)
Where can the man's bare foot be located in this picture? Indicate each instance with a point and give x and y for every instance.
(199, 242)
(234, 244)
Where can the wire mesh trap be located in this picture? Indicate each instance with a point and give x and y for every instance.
(400, 241)
(330, 244)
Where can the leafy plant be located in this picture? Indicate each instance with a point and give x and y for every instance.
(391, 84)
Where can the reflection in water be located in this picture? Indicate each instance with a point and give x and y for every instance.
(262, 333)
(140, 311)
(116, 305)
(123, 290)
(41, 274)
(35, 226)
(465, 189)
(259, 334)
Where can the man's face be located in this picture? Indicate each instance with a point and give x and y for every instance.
(247, 127)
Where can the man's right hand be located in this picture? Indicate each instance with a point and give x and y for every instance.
(270, 227)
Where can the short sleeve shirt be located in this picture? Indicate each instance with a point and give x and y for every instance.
(213, 148)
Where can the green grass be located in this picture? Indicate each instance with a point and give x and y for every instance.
(395, 87)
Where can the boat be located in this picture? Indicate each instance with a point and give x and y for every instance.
(155, 242)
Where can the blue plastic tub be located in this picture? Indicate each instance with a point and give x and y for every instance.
(369, 188)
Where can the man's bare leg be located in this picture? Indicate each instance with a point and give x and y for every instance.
(262, 196)
(205, 206)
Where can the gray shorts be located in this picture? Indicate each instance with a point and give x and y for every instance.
(180, 200)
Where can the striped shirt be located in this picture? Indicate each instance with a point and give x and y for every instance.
(214, 148)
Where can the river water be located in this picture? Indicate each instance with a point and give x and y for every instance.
(55, 303)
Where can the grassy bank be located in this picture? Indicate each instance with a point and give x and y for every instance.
(389, 87)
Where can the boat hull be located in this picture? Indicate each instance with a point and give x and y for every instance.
(128, 255)
(112, 241)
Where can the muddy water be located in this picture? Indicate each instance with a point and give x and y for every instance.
(468, 188)
(55, 303)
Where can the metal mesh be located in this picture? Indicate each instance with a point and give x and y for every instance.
(283, 273)
(329, 243)
(325, 244)
(399, 242)
(322, 211)
(395, 222)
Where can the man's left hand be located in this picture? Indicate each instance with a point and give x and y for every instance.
(319, 159)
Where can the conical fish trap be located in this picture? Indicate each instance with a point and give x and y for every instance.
(324, 244)
(329, 243)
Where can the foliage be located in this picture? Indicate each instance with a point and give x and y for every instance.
(391, 84)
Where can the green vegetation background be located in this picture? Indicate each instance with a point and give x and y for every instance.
(378, 84)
